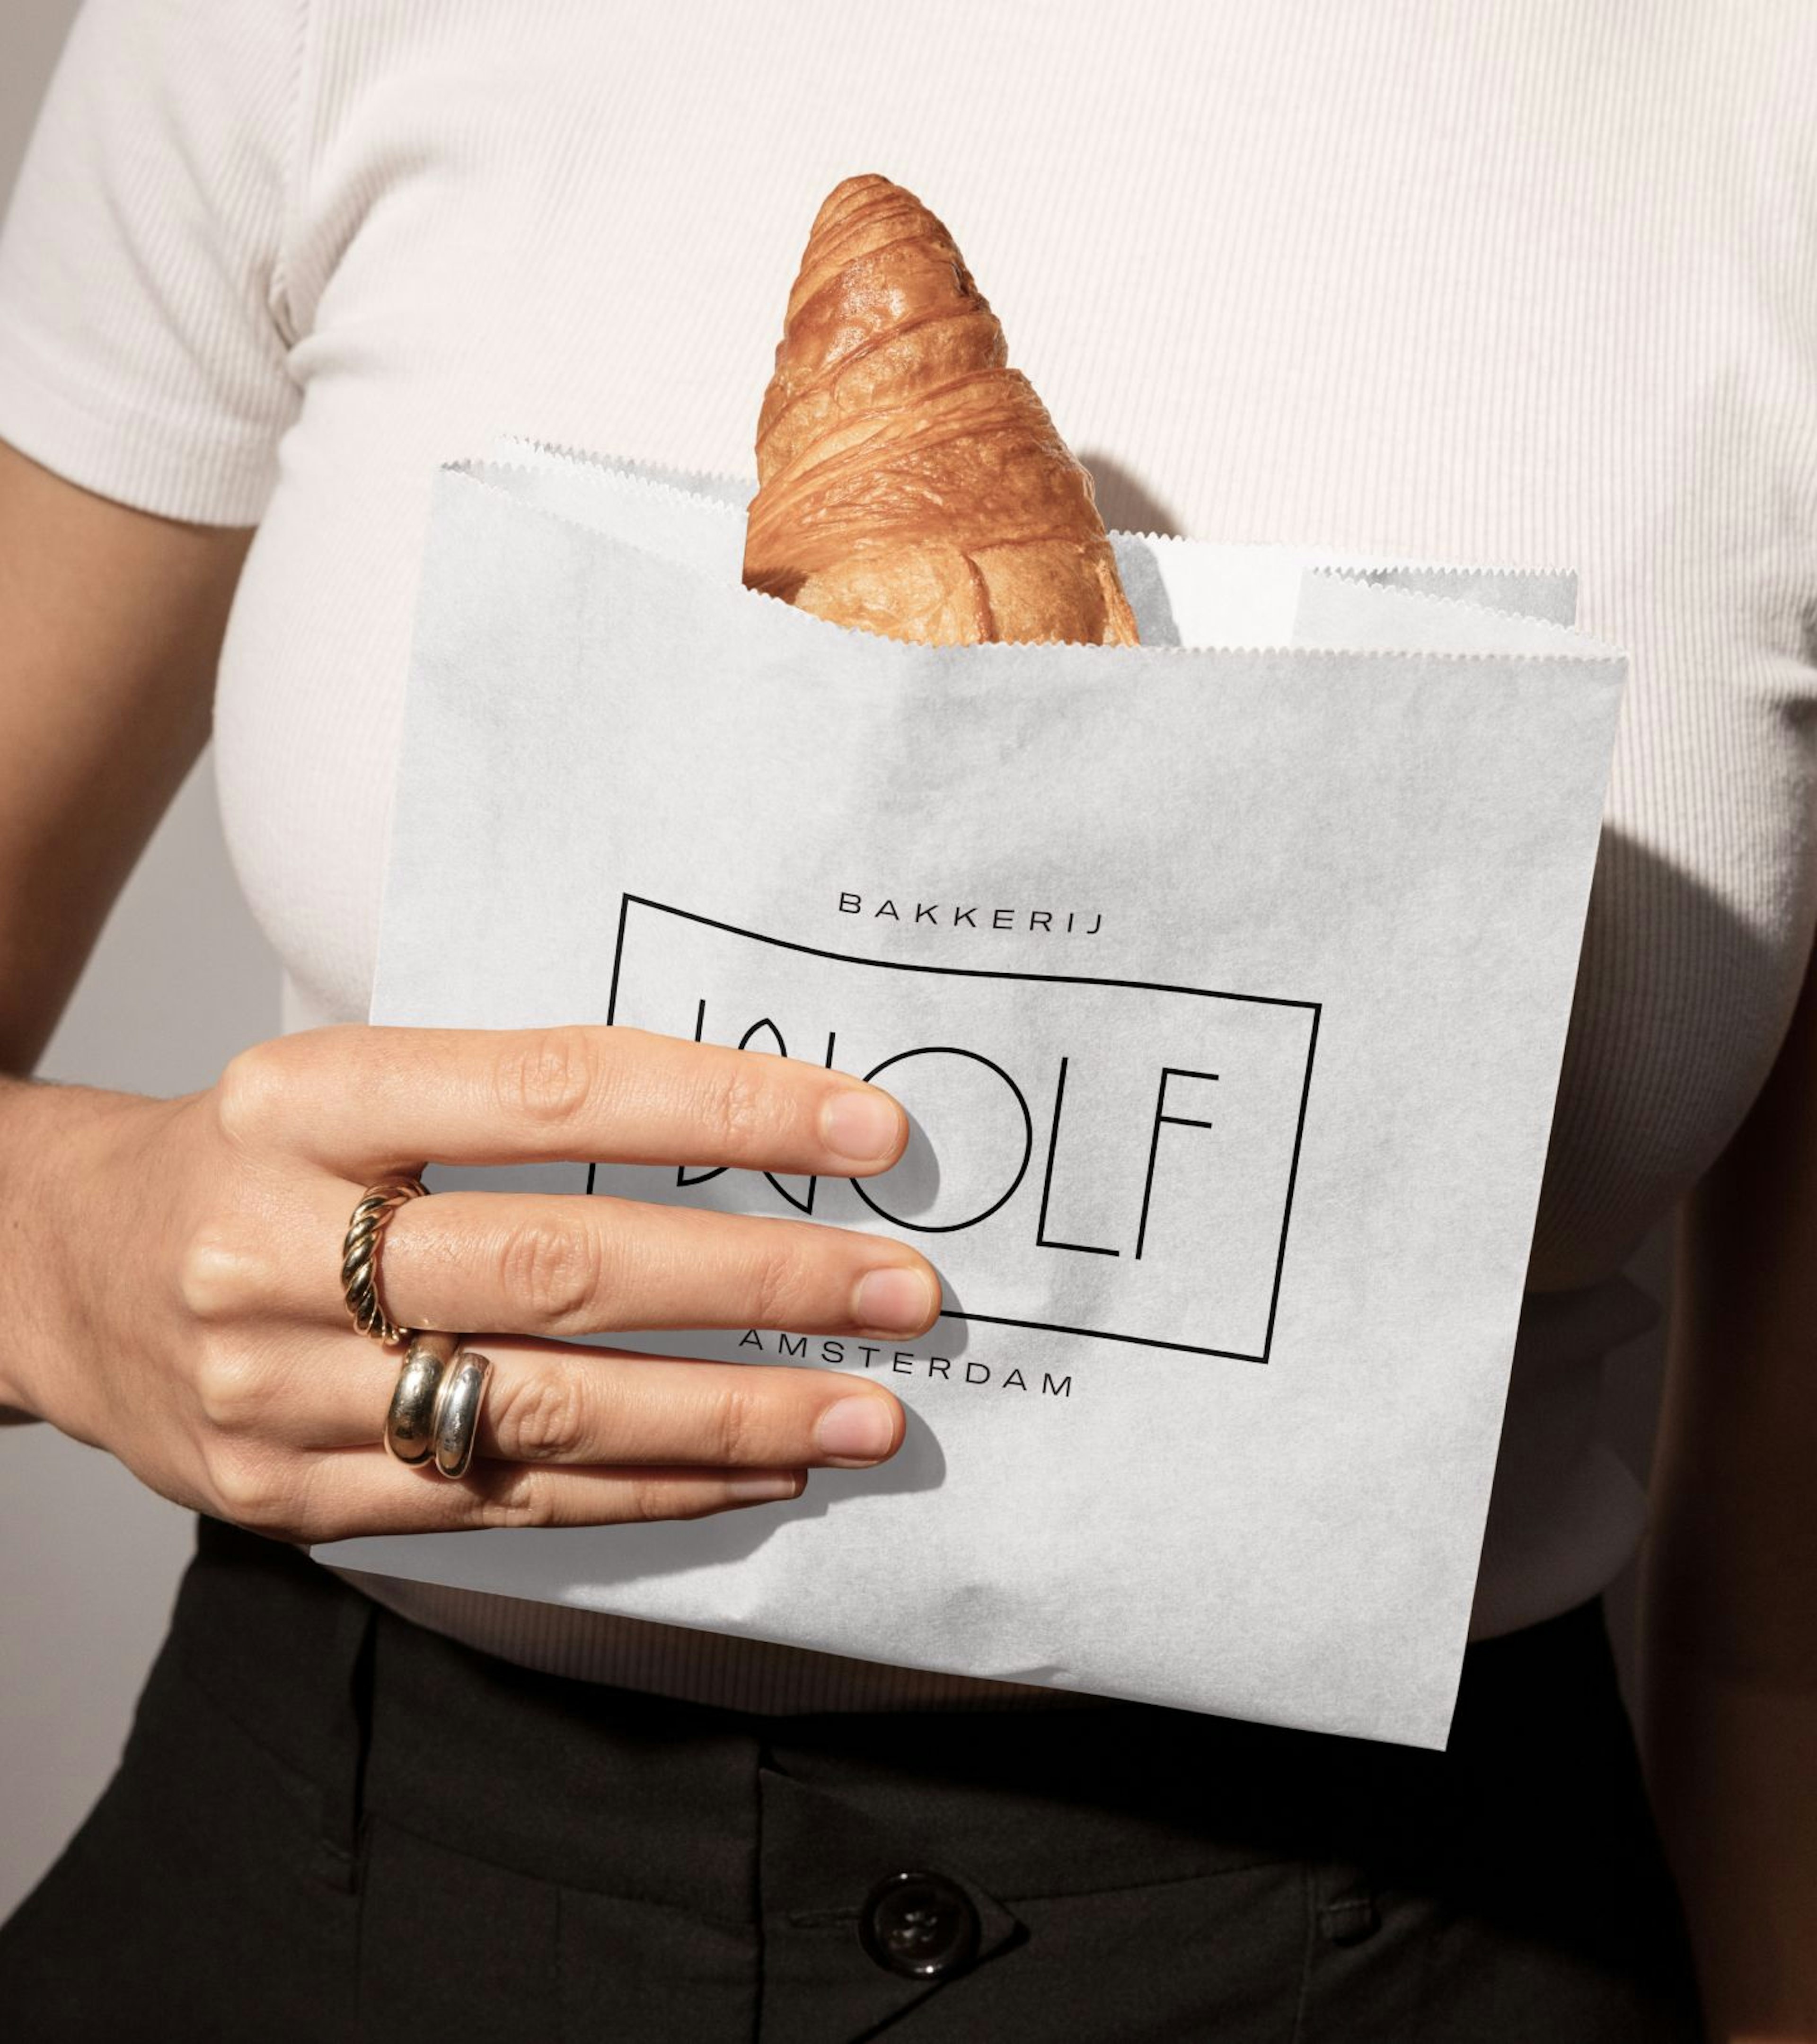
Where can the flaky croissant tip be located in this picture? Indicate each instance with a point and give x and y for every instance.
(910, 481)
(854, 187)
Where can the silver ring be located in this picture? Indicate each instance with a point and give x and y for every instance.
(457, 1412)
(409, 1423)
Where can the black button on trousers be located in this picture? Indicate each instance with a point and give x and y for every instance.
(331, 1824)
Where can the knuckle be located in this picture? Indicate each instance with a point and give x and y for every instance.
(220, 1275)
(781, 1284)
(555, 1270)
(548, 1076)
(739, 1417)
(648, 1498)
(250, 1489)
(737, 1106)
(539, 1419)
(230, 1386)
(515, 1498)
(252, 1091)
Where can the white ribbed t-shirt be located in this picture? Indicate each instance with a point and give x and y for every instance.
(1529, 283)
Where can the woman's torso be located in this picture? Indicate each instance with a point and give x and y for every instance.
(1503, 284)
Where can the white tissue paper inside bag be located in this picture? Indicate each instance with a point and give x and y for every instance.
(1225, 979)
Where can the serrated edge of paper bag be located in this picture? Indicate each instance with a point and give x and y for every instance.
(1595, 652)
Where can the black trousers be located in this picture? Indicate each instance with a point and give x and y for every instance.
(330, 1824)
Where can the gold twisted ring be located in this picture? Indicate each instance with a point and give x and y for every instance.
(359, 1257)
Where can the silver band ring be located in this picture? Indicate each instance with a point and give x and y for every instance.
(359, 1257)
(409, 1423)
(457, 1411)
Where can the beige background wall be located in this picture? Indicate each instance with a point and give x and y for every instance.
(181, 980)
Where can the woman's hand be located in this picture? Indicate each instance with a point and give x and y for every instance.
(171, 1276)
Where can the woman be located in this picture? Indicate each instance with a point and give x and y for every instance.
(1501, 284)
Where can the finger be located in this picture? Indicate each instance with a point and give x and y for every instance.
(453, 1260)
(564, 1264)
(364, 1492)
(549, 1404)
(366, 1102)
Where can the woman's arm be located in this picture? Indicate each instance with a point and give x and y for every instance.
(169, 1270)
(110, 626)
(1730, 1595)
(113, 622)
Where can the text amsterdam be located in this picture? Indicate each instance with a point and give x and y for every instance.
(844, 1354)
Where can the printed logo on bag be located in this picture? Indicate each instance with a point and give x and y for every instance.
(1088, 1156)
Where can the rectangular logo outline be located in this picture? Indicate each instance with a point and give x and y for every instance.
(1314, 1008)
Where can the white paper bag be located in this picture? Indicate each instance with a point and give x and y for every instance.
(1226, 979)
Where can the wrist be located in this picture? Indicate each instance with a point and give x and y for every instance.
(62, 1145)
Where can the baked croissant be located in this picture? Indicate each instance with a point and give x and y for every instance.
(909, 481)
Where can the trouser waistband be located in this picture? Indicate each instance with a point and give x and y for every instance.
(591, 1785)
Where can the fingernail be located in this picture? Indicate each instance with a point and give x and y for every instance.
(861, 1125)
(893, 1302)
(858, 1429)
(763, 1489)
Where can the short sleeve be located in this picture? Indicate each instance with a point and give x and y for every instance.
(143, 353)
